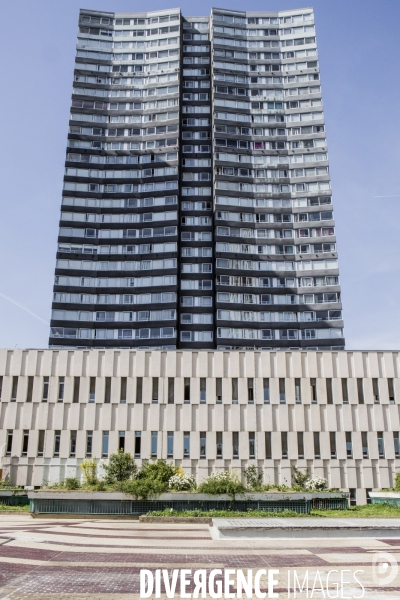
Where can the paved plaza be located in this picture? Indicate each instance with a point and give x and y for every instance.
(53, 559)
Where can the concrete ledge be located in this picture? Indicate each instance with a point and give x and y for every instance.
(87, 517)
(145, 519)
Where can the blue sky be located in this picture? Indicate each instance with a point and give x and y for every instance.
(359, 52)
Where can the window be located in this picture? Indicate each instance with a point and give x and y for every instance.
(107, 390)
(9, 442)
(122, 398)
(61, 385)
(300, 444)
(396, 443)
(154, 393)
(313, 384)
(268, 445)
(25, 441)
(349, 446)
(92, 389)
(89, 444)
(77, 384)
(391, 390)
(266, 390)
(381, 445)
(375, 390)
(40, 447)
(121, 440)
(57, 441)
(186, 444)
(14, 389)
(29, 391)
(252, 444)
(360, 391)
(1, 385)
(203, 390)
(282, 394)
(332, 441)
(170, 444)
(45, 391)
(297, 390)
(202, 444)
(139, 390)
(186, 385)
(218, 390)
(345, 392)
(171, 390)
(250, 390)
(235, 391)
(72, 444)
(154, 440)
(235, 444)
(284, 443)
(329, 394)
(317, 449)
(138, 443)
(104, 445)
(219, 443)
(364, 444)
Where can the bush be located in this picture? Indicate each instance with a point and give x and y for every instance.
(397, 482)
(121, 467)
(179, 482)
(88, 468)
(222, 482)
(300, 478)
(71, 483)
(254, 478)
(152, 479)
(316, 484)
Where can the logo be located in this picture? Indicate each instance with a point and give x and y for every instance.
(384, 568)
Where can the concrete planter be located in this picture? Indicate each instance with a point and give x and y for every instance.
(14, 497)
(385, 498)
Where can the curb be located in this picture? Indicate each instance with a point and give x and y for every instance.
(204, 520)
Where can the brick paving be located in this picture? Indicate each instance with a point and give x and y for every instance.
(70, 559)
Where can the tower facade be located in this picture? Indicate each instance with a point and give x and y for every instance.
(197, 206)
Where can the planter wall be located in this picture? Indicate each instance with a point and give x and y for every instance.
(385, 498)
(14, 498)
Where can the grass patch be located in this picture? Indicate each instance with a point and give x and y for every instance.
(24, 507)
(363, 511)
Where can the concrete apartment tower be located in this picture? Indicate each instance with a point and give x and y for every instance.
(197, 207)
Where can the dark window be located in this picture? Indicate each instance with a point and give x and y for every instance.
(170, 444)
(14, 389)
(45, 393)
(89, 444)
(364, 444)
(252, 444)
(300, 444)
(123, 390)
(297, 390)
(268, 445)
(349, 445)
(329, 393)
(391, 390)
(1, 385)
(72, 444)
(154, 393)
(57, 440)
(284, 442)
(381, 445)
(9, 442)
(40, 448)
(25, 442)
(313, 384)
(121, 440)
(77, 385)
(104, 446)
(202, 444)
(345, 391)
(353, 498)
(375, 390)
(186, 396)
(332, 440)
(138, 443)
(317, 449)
(92, 389)
(396, 443)
(171, 390)
(235, 391)
(61, 386)
(367, 491)
(266, 390)
(360, 391)
(219, 444)
(139, 390)
(235, 444)
(154, 439)
(250, 390)
(29, 391)
(186, 444)
(203, 390)
(218, 386)
(282, 393)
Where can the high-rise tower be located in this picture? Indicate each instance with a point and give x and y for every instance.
(197, 207)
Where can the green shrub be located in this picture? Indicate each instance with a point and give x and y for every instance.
(89, 468)
(300, 478)
(254, 478)
(121, 467)
(100, 486)
(152, 479)
(397, 482)
(222, 482)
(182, 482)
(71, 483)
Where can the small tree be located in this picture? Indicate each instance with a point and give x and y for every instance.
(121, 467)
(397, 482)
(88, 468)
(300, 478)
(254, 477)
